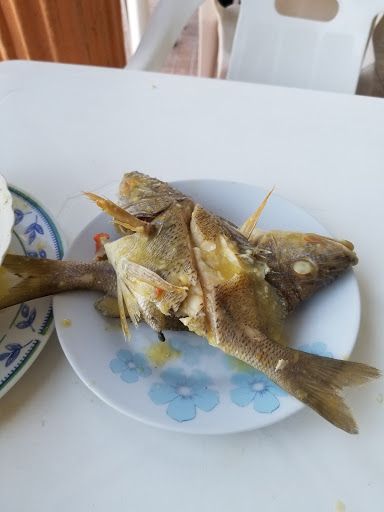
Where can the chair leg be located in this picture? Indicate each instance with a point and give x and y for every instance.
(138, 15)
(378, 46)
(371, 79)
(208, 39)
(227, 21)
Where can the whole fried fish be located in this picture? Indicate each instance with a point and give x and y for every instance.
(176, 260)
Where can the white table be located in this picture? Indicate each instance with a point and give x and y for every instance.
(64, 129)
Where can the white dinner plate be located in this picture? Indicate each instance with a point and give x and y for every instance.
(199, 389)
(26, 328)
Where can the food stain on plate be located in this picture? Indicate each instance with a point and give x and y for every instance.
(339, 506)
(161, 353)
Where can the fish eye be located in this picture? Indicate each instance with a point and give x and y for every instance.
(303, 267)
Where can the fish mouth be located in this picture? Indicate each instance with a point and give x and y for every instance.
(347, 247)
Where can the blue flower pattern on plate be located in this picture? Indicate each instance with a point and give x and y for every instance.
(13, 353)
(192, 349)
(19, 215)
(256, 387)
(130, 366)
(318, 348)
(32, 229)
(35, 254)
(29, 316)
(184, 393)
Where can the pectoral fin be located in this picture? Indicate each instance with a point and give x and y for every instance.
(108, 306)
(136, 272)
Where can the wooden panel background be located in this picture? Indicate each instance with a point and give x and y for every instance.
(70, 31)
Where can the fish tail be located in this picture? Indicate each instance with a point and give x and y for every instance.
(23, 278)
(319, 381)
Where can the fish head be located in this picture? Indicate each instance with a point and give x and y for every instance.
(301, 263)
(146, 197)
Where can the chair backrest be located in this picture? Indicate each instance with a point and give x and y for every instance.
(272, 48)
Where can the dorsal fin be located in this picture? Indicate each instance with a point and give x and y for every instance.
(250, 224)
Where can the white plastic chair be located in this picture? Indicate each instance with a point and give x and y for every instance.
(161, 33)
(271, 48)
(299, 52)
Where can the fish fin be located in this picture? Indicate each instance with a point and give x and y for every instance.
(23, 278)
(148, 285)
(122, 217)
(122, 311)
(318, 382)
(141, 273)
(130, 302)
(151, 314)
(250, 224)
(167, 302)
(246, 329)
(108, 306)
(131, 297)
(126, 225)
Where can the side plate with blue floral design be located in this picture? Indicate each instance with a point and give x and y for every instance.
(26, 328)
(184, 384)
